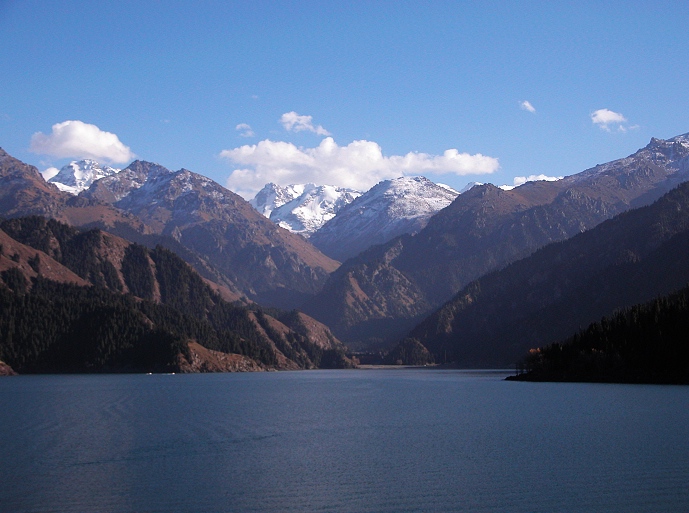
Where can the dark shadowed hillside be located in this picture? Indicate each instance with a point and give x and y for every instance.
(564, 286)
(646, 343)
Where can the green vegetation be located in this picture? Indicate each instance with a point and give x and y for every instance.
(71, 247)
(137, 272)
(647, 343)
(64, 328)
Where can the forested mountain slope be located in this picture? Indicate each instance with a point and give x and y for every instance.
(646, 343)
(134, 309)
(265, 262)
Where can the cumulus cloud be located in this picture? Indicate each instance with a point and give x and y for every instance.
(293, 122)
(49, 173)
(245, 130)
(606, 118)
(359, 165)
(526, 105)
(521, 180)
(76, 139)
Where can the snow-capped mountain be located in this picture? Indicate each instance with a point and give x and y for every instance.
(273, 196)
(302, 208)
(78, 175)
(391, 208)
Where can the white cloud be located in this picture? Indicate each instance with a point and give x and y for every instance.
(604, 118)
(526, 105)
(245, 130)
(359, 165)
(49, 173)
(293, 122)
(521, 180)
(76, 139)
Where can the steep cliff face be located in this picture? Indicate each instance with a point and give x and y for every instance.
(485, 229)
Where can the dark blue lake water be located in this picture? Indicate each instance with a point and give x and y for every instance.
(340, 441)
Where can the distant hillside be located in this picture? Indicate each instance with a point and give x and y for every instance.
(564, 286)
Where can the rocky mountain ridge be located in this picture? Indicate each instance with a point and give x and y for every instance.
(212, 228)
(265, 262)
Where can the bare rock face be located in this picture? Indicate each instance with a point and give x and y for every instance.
(23, 191)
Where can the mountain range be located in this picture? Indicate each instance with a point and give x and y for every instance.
(563, 287)
(375, 298)
(215, 230)
(476, 278)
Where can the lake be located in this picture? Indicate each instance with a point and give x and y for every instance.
(404, 440)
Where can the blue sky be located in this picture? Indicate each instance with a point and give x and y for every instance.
(342, 93)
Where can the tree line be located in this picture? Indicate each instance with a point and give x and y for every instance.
(646, 343)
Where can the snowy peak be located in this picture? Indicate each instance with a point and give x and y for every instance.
(273, 196)
(116, 187)
(408, 197)
(391, 208)
(302, 208)
(78, 175)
